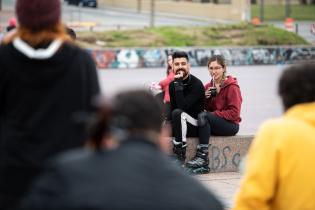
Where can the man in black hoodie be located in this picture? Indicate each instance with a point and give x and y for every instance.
(135, 176)
(187, 101)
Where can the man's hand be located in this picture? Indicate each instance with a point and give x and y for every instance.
(178, 81)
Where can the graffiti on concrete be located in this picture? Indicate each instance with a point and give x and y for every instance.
(104, 59)
(151, 57)
(220, 159)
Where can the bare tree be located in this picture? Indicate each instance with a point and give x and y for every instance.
(262, 12)
(287, 9)
(138, 6)
(152, 13)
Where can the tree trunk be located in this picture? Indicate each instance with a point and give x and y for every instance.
(303, 1)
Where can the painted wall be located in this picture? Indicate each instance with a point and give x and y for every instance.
(152, 57)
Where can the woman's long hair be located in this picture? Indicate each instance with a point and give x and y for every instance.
(168, 69)
(34, 38)
(221, 60)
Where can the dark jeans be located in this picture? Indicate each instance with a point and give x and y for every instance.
(210, 124)
(180, 120)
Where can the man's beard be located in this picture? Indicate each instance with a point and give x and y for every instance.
(182, 70)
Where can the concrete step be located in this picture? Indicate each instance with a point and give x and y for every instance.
(225, 152)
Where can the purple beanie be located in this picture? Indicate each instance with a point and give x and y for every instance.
(38, 14)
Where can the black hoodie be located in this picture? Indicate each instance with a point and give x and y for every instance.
(39, 99)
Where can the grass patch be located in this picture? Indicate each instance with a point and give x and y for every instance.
(269, 36)
(174, 36)
(222, 35)
(277, 12)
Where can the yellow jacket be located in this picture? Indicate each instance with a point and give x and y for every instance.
(280, 172)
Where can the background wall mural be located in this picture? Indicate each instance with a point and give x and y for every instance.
(150, 58)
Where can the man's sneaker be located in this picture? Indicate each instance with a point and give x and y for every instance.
(179, 151)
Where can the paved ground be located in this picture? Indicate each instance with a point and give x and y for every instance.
(110, 18)
(224, 185)
(5, 15)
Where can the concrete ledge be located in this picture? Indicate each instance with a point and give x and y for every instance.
(225, 152)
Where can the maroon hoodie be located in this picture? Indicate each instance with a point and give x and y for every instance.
(227, 103)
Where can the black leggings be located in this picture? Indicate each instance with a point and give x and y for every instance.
(210, 124)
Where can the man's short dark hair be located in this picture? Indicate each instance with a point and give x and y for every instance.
(180, 54)
(137, 111)
(297, 85)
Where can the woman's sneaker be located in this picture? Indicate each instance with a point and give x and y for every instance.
(200, 163)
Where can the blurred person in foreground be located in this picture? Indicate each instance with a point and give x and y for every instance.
(279, 172)
(222, 110)
(45, 82)
(136, 175)
(165, 87)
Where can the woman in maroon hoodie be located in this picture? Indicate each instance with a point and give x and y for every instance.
(222, 109)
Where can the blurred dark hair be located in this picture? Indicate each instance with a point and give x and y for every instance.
(34, 38)
(180, 54)
(297, 85)
(136, 111)
(219, 58)
(168, 68)
(98, 123)
(132, 112)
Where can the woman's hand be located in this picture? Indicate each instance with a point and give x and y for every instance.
(207, 93)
